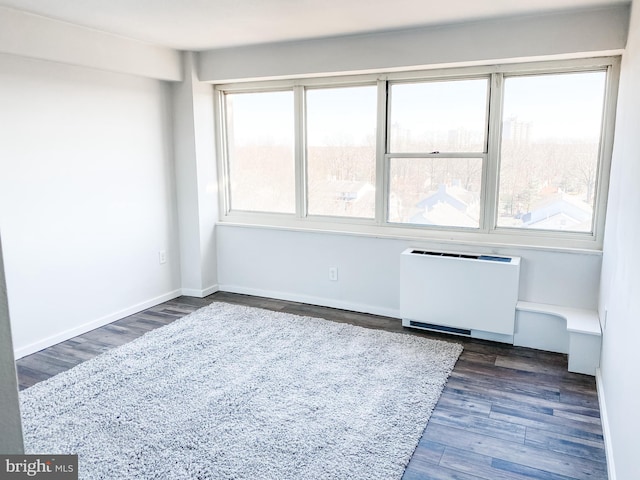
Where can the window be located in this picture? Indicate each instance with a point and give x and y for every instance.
(260, 142)
(435, 191)
(551, 131)
(341, 151)
(444, 116)
(445, 122)
(511, 154)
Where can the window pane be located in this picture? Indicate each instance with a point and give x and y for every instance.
(260, 138)
(439, 116)
(341, 151)
(435, 191)
(549, 153)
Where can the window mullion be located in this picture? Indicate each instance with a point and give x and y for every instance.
(606, 148)
(224, 184)
(437, 155)
(300, 149)
(382, 168)
(491, 164)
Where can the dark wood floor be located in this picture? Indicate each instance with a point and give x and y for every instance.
(506, 412)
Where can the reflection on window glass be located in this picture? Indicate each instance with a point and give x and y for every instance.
(260, 139)
(443, 116)
(341, 151)
(435, 191)
(549, 152)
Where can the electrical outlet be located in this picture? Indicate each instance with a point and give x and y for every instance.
(162, 256)
(333, 274)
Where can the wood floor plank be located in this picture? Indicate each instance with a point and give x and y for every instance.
(518, 471)
(517, 391)
(477, 357)
(589, 400)
(479, 424)
(549, 423)
(426, 454)
(566, 444)
(541, 380)
(499, 392)
(533, 457)
(524, 364)
(437, 472)
(482, 466)
(506, 413)
(592, 417)
(28, 377)
(461, 404)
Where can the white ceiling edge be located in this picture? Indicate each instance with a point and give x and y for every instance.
(586, 33)
(617, 6)
(199, 25)
(418, 71)
(33, 36)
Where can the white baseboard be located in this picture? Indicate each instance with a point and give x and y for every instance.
(604, 418)
(86, 327)
(311, 300)
(192, 292)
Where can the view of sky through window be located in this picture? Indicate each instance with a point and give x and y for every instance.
(549, 152)
(341, 151)
(260, 142)
(444, 116)
(545, 158)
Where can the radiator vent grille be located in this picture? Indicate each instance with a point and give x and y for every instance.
(490, 258)
(440, 328)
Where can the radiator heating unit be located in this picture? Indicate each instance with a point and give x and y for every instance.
(459, 293)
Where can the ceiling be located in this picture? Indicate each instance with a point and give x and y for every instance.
(207, 24)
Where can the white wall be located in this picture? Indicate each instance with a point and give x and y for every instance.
(39, 37)
(86, 197)
(620, 286)
(294, 265)
(196, 181)
(583, 33)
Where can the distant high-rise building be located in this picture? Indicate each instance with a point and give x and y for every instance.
(516, 131)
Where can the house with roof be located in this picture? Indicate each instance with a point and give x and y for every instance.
(560, 212)
(448, 205)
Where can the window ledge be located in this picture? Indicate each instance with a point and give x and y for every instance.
(544, 241)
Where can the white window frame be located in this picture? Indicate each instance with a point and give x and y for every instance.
(329, 218)
(488, 233)
(484, 154)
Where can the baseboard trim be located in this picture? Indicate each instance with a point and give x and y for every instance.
(606, 432)
(87, 327)
(192, 292)
(311, 300)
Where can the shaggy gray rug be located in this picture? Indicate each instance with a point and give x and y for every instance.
(232, 392)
